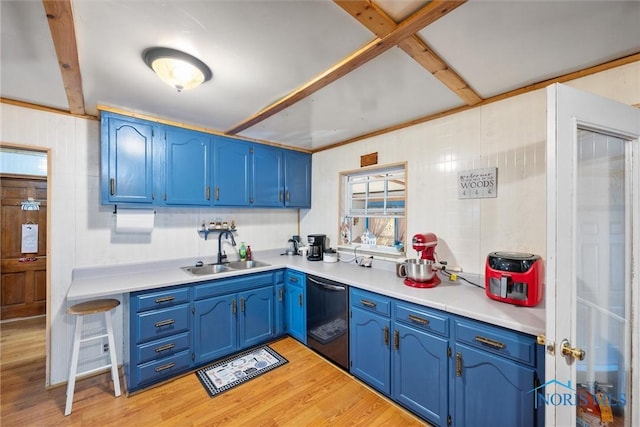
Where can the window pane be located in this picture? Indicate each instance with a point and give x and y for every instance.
(374, 202)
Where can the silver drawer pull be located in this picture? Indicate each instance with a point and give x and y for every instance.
(164, 299)
(418, 319)
(165, 367)
(165, 347)
(165, 323)
(490, 342)
(368, 303)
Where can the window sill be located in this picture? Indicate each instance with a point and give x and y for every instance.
(386, 254)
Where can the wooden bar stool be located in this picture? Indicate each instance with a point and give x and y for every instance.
(92, 307)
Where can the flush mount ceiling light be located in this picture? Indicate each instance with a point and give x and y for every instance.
(176, 68)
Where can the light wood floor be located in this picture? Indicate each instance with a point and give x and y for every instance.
(306, 391)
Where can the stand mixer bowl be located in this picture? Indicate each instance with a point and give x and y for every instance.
(419, 270)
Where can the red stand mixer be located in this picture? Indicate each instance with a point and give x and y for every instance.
(419, 272)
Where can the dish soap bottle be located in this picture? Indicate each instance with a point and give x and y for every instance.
(249, 253)
(242, 252)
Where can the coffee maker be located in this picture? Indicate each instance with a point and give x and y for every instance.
(317, 244)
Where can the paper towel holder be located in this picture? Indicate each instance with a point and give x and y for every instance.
(115, 210)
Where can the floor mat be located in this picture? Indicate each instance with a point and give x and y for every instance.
(228, 373)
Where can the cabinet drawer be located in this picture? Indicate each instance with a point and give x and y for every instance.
(161, 299)
(422, 318)
(226, 286)
(294, 278)
(513, 345)
(162, 323)
(164, 368)
(371, 301)
(163, 348)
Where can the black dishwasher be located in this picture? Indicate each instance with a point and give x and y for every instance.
(328, 319)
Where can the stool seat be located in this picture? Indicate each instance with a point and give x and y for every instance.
(93, 307)
(103, 306)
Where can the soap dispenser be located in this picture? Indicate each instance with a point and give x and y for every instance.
(243, 252)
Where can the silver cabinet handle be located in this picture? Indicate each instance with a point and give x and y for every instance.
(165, 347)
(167, 322)
(490, 342)
(165, 367)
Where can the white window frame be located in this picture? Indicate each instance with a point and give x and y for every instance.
(383, 174)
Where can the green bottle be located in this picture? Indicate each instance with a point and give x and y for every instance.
(242, 252)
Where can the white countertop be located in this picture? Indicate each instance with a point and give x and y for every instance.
(454, 297)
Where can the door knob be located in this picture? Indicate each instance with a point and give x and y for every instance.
(567, 350)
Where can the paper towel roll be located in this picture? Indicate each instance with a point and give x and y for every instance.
(134, 220)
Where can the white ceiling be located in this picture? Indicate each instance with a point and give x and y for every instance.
(261, 51)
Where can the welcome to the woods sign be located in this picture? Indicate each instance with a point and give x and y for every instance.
(478, 183)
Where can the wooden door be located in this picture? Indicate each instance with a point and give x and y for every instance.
(23, 275)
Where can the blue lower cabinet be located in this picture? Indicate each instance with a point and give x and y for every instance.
(420, 372)
(256, 318)
(171, 331)
(161, 369)
(164, 347)
(494, 372)
(369, 348)
(492, 391)
(214, 328)
(296, 305)
(279, 295)
(158, 336)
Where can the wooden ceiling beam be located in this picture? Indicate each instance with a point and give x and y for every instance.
(430, 13)
(60, 16)
(378, 22)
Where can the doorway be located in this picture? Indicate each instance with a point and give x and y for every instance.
(593, 217)
(23, 228)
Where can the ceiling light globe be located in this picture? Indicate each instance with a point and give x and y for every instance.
(177, 69)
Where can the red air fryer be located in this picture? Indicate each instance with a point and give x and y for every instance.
(514, 277)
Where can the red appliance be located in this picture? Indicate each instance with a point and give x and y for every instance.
(425, 244)
(515, 278)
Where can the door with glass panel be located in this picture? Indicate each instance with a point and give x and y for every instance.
(593, 213)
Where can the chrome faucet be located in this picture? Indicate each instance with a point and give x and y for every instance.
(221, 255)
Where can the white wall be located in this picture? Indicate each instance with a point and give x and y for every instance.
(509, 135)
(81, 232)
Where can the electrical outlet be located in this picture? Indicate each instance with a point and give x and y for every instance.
(105, 347)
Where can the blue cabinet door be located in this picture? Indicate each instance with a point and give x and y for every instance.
(256, 318)
(420, 372)
(215, 328)
(297, 172)
(231, 172)
(296, 305)
(295, 317)
(126, 160)
(369, 348)
(280, 306)
(491, 391)
(268, 177)
(188, 168)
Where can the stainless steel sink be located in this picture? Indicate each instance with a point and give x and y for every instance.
(243, 265)
(206, 269)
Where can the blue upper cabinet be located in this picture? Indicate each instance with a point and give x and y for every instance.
(231, 169)
(127, 164)
(297, 176)
(188, 167)
(149, 163)
(268, 177)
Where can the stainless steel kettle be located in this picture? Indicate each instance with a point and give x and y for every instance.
(292, 247)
